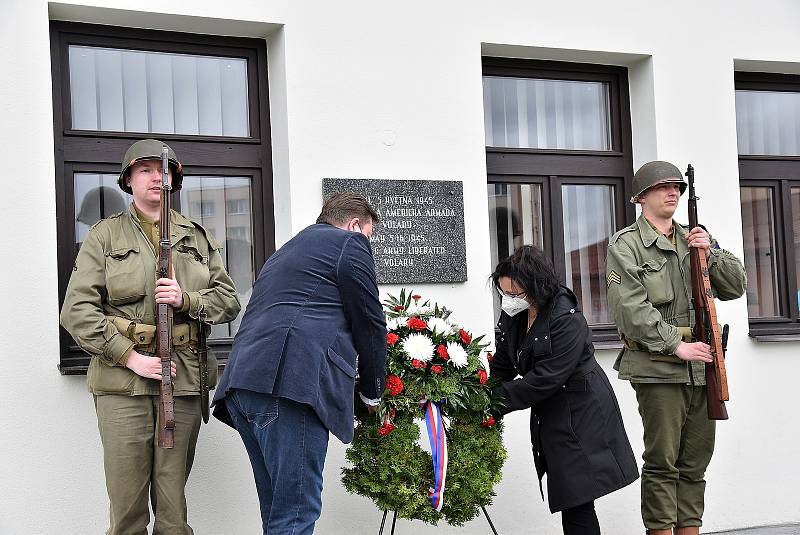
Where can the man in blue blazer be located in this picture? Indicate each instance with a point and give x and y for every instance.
(313, 318)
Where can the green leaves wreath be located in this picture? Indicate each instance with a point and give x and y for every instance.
(430, 358)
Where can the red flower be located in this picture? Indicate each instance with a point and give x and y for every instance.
(386, 428)
(489, 356)
(442, 351)
(465, 336)
(436, 369)
(394, 385)
(391, 339)
(482, 376)
(417, 363)
(399, 308)
(416, 297)
(488, 422)
(417, 324)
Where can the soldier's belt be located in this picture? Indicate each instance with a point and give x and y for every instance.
(144, 335)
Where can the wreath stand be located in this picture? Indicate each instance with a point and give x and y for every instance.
(394, 521)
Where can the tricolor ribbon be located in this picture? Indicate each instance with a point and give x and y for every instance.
(438, 442)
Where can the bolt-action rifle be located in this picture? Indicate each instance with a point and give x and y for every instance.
(166, 411)
(706, 329)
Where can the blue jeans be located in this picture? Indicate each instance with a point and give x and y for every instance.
(287, 444)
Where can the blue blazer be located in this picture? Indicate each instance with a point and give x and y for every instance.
(314, 308)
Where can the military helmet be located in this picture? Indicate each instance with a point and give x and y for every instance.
(149, 149)
(654, 173)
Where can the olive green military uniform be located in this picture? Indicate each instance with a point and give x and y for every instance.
(649, 294)
(110, 310)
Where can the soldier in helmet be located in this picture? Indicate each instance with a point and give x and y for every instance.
(110, 309)
(649, 289)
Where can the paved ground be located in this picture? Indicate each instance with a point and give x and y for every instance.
(768, 530)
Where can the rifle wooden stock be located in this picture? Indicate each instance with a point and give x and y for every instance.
(166, 411)
(706, 326)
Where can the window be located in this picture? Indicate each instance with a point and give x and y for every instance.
(202, 209)
(239, 206)
(558, 157)
(768, 134)
(206, 97)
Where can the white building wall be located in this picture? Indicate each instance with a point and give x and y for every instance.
(346, 77)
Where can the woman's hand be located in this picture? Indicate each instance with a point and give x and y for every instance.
(169, 292)
(149, 367)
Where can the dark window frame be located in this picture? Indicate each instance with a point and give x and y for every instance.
(552, 168)
(781, 173)
(101, 151)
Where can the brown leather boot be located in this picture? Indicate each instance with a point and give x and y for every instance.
(687, 530)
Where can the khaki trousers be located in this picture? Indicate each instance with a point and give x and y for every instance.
(678, 444)
(136, 467)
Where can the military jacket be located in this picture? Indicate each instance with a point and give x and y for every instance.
(114, 279)
(649, 295)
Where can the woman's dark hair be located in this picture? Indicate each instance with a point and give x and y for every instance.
(530, 268)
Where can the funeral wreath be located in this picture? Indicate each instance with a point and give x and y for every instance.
(439, 373)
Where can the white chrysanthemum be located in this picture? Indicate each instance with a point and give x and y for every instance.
(439, 325)
(484, 362)
(396, 323)
(458, 355)
(419, 347)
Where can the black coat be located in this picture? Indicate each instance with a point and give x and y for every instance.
(576, 427)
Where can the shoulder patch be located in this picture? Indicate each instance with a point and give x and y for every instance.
(613, 278)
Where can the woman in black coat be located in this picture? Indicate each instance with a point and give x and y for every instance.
(545, 359)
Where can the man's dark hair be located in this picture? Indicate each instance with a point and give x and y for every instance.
(340, 208)
(530, 268)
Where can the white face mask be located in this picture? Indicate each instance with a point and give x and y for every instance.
(513, 305)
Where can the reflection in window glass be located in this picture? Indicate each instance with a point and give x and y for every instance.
(796, 232)
(588, 225)
(137, 91)
(760, 262)
(515, 218)
(768, 122)
(97, 196)
(234, 231)
(546, 114)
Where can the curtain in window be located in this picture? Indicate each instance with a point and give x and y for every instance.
(546, 114)
(136, 91)
(760, 253)
(768, 122)
(588, 222)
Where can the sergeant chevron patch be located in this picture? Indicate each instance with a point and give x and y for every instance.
(613, 277)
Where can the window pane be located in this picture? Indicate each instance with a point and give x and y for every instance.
(515, 218)
(137, 91)
(204, 199)
(760, 262)
(96, 196)
(588, 224)
(796, 229)
(546, 114)
(768, 122)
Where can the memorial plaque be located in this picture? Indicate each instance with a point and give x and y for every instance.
(420, 237)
